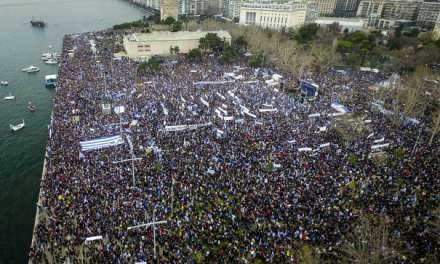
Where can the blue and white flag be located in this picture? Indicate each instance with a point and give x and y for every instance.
(101, 143)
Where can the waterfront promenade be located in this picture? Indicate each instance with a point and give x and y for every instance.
(212, 161)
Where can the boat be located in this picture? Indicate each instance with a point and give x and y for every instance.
(50, 56)
(38, 23)
(51, 61)
(9, 97)
(30, 69)
(4, 83)
(50, 80)
(31, 107)
(17, 126)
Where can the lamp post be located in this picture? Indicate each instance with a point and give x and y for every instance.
(153, 223)
(132, 159)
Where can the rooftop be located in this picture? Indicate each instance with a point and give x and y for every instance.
(167, 35)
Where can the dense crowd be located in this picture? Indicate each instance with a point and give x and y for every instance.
(239, 168)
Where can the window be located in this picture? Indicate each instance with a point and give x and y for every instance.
(250, 18)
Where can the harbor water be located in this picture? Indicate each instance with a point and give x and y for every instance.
(22, 152)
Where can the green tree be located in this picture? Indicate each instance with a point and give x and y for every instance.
(174, 50)
(194, 54)
(228, 54)
(257, 60)
(240, 44)
(356, 47)
(306, 33)
(169, 21)
(176, 26)
(212, 42)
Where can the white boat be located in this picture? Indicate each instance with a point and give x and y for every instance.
(4, 83)
(9, 97)
(31, 69)
(18, 126)
(50, 80)
(51, 61)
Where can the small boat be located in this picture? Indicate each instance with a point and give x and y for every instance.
(31, 107)
(9, 97)
(38, 23)
(17, 126)
(50, 80)
(30, 69)
(4, 83)
(51, 61)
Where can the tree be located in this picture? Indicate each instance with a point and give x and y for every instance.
(228, 54)
(176, 26)
(257, 60)
(153, 65)
(369, 243)
(174, 50)
(169, 21)
(356, 47)
(212, 42)
(240, 44)
(305, 33)
(194, 55)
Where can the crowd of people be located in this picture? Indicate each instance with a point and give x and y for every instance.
(238, 168)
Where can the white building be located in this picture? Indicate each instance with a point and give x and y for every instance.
(351, 24)
(428, 14)
(169, 8)
(234, 9)
(389, 13)
(155, 4)
(145, 45)
(436, 31)
(277, 16)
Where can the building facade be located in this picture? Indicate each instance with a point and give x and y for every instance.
(145, 45)
(155, 4)
(346, 8)
(325, 7)
(350, 24)
(387, 14)
(277, 16)
(428, 14)
(233, 9)
(436, 30)
(169, 8)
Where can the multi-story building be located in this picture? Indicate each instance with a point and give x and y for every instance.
(325, 7)
(428, 14)
(169, 8)
(346, 8)
(345, 23)
(277, 16)
(145, 45)
(389, 13)
(436, 30)
(155, 4)
(233, 9)
(338, 8)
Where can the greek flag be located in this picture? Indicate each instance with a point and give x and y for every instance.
(101, 143)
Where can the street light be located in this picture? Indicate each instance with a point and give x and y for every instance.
(153, 223)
